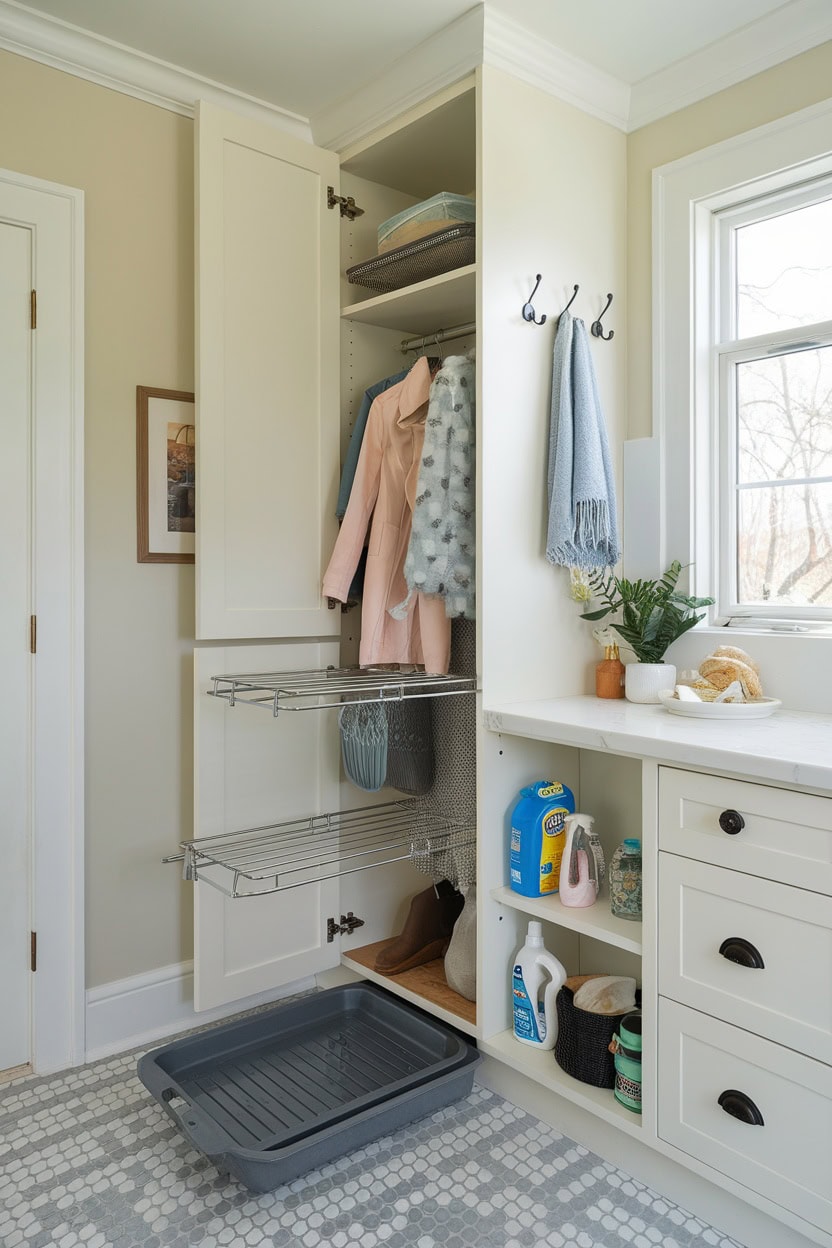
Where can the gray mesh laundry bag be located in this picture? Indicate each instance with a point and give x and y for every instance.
(364, 743)
(410, 745)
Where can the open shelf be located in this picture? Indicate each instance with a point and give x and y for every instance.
(437, 303)
(317, 690)
(285, 855)
(596, 921)
(424, 986)
(541, 1066)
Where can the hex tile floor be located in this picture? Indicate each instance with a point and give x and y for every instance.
(89, 1160)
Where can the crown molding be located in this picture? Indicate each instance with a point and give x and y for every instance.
(436, 63)
(524, 55)
(787, 32)
(60, 45)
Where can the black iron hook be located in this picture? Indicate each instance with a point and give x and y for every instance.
(528, 310)
(572, 300)
(597, 329)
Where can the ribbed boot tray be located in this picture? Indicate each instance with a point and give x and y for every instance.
(269, 1089)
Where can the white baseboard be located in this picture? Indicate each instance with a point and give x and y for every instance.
(130, 1012)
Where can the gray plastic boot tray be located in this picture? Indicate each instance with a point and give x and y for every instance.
(286, 1090)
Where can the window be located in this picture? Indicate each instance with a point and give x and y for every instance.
(772, 374)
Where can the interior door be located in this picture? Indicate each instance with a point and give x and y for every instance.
(253, 769)
(267, 380)
(15, 600)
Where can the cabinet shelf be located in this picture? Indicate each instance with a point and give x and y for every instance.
(543, 1069)
(317, 690)
(596, 921)
(286, 855)
(425, 986)
(436, 303)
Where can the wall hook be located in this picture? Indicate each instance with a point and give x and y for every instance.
(572, 300)
(528, 310)
(597, 329)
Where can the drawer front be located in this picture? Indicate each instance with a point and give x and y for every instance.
(786, 1158)
(781, 835)
(775, 970)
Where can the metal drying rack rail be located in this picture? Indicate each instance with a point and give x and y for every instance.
(303, 691)
(286, 855)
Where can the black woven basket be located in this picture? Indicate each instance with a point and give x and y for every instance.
(582, 1046)
(414, 262)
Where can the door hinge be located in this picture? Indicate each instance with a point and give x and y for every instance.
(33, 634)
(33, 951)
(346, 204)
(349, 922)
(34, 310)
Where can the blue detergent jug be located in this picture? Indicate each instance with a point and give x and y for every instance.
(538, 837)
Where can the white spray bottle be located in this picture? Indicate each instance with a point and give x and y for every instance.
(536, 979)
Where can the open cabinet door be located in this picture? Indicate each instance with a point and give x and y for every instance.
(252, 769)
(267, 389)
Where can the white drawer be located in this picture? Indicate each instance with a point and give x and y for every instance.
(781, 835)
(787, 1157)
(705, 909)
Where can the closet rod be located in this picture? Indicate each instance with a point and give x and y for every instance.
(441, 335)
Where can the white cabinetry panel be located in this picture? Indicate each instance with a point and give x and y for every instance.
(252, 769)
(267, 380)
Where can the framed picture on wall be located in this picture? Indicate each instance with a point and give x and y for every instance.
(165, 475)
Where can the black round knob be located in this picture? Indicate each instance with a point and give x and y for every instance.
(731, 821)
(738, 949)
(741, 1107)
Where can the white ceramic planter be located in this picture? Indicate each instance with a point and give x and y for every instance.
(642, 681)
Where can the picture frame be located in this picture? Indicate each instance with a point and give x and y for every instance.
(165, 475)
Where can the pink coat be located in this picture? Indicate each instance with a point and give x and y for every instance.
(384, 489)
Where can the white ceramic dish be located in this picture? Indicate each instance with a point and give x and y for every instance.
(758, 709)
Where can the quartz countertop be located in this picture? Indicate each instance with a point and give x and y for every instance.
(791, 747)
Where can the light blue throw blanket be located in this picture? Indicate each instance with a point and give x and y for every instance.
(582, 531)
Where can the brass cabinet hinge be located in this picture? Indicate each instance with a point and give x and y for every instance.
(33, 951)
(34, 310)
(346, 204)
(349, 922)
(33, 634)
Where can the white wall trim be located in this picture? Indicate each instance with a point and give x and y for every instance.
(109, 64)
(56, 214)
(436, 63)
(777, 37)
(145, 1008)
(510, 47)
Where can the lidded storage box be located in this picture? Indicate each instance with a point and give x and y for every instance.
(437, 213)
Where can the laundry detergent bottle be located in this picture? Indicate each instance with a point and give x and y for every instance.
(536, 979)
(538, 837)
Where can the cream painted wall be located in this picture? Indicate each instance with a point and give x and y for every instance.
(795, 84)
(135, 165)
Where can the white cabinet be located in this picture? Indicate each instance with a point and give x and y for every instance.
(267, 380)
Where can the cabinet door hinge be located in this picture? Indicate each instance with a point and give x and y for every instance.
(33, 951)
(346, 204)
(349, 922)
(33, 634)
(34, 310)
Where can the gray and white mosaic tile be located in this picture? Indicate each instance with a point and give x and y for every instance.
(89, 1160)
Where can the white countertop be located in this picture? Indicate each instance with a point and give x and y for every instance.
(792, 747)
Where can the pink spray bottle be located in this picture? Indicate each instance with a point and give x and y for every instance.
(582, 865)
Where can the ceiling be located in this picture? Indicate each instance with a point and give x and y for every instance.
(305, 57)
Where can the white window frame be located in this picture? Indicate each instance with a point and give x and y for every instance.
(688, 308)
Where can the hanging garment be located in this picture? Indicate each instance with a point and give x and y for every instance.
(583, 530)
(357, 438)
(382, 500)
(440, 554)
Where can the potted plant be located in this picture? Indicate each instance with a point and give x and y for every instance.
(653, 614)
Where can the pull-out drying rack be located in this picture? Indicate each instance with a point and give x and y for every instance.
(302, 691)
(285, 855)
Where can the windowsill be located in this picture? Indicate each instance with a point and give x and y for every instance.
(766, 630)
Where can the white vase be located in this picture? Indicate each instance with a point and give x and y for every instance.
(642, 681)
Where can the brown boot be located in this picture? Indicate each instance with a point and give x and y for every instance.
(426, 932)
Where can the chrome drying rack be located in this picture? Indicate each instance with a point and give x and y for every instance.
(286, 855)
(310, 690)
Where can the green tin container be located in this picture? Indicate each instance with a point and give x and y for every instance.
(626, 1046)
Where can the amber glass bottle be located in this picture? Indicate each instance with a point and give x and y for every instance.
(609, 675)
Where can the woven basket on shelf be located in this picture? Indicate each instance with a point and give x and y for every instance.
(582, 1046)
(415, 262)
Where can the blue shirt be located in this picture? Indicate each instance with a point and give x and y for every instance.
(354, 449)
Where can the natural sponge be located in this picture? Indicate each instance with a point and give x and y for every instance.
(721, 672)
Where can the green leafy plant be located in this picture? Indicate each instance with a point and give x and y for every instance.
(653, 613)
